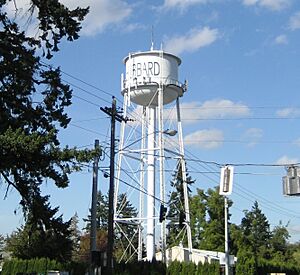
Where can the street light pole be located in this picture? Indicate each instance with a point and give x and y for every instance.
(226, 236)
(226, 182)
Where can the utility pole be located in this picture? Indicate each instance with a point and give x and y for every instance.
(112, 112)
(93, 237)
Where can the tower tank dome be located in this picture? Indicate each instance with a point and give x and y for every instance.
(146, 72)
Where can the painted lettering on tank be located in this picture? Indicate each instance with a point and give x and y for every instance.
(145, 69)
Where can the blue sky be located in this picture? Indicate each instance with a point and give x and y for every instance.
(241, 60)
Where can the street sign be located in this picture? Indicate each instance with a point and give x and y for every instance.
(226, 180)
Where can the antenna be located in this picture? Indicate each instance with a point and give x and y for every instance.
(152, 39)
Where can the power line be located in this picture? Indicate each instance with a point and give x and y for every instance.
(199, 161)
(89, 119)
(277, 208)
(239, 118)
(237, 107)
(196, 160)
(86, 91)
(86, 129)
(88, 84)
(85, 100)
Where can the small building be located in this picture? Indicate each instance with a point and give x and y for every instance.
(181, 254)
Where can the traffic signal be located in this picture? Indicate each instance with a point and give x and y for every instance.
(162, 213)
(181, 219)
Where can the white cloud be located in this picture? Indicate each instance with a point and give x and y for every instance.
(274, 5)
(281, 40)
(288, 112)
(191, 42)
(220, 108)
(295, 229)
(294, 22)
(102, 14)
(206, 139)
(297, 142)
(211, 109)
(253, 135)
(133, 27)
(17, 8)
(18, 11)
(286, 160)
(250, 2)
(182, 4)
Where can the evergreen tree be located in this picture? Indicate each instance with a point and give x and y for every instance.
(212, 236)
(294, 250)
(75, 237)
(38, 239)
(2, 243)
(33, 99)
(256, 231)
(279, 244)
(198, 214)
(254, 239)
(101, 213)
(176, 213)
(123, 231)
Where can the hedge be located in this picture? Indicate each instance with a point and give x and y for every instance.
(175, 268)
(40, 266)
(245, 266)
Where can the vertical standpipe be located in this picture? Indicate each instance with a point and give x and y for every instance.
(150, 238)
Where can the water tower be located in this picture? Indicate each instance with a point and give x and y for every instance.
(150, 83)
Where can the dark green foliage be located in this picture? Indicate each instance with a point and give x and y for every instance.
(255, 237)
(101, 213)
(144, 268)
(174, 268)
(150, 268)
(198, 213)
(279, 244)
(41, 265)
(33, 99)
(213, 230)
(48, 237)
(259, 250)
(176, 213)
(2, 243)
(208, 221)
(188, 269)
(246, 263)
(253, 241)
(249, 266)
(75, 235)
(123, 231)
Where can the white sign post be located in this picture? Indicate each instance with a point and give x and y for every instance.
(226, 181)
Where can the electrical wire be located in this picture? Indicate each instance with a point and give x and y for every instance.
(200, 161)
(86, 129)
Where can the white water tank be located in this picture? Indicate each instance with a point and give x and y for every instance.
(146, 72)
